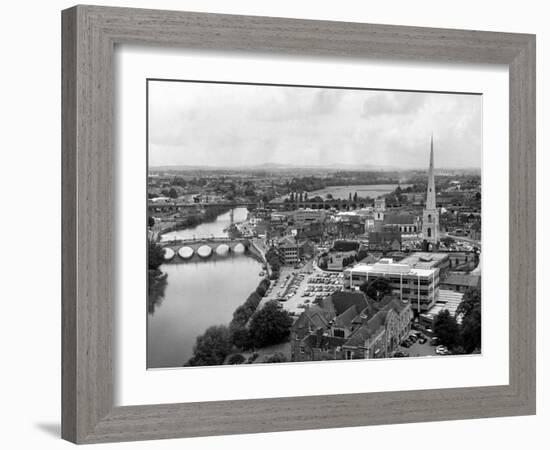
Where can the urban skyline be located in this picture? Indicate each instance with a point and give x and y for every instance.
(277, 237)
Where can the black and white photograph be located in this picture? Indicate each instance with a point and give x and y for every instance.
(292, 224)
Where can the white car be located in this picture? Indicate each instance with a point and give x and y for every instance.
(441, 350)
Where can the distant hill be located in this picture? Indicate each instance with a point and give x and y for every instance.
(279, 167)
(275, 167)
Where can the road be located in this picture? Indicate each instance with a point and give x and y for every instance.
(463, 239)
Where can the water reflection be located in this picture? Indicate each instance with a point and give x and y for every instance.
(155, 296)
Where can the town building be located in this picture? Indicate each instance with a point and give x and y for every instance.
(419, 286)
(460, 282)
(350, 325)
(414, 198)
(428, 260)
(447, 300)
(289, 251)
(380, 204)
(313, 231)
(339, 260)
(384, 241)
(430, 215)
(405, 223)
(463, 261)
(306, 215)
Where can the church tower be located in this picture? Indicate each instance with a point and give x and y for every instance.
(430, 216)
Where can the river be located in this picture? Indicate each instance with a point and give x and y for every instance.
(198, 294)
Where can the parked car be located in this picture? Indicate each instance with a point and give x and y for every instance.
(441, 350)
(400, 354)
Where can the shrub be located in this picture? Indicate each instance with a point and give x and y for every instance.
(237, 358)
(276, 358)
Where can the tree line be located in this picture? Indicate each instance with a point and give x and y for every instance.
(249, 329)
(466, 336)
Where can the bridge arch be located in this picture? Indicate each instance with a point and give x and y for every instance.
(186, 252)
(204, 251)
(239, 248)
(168, 254)
(223, 249)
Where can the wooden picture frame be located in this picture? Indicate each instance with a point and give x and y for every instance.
(89, 37)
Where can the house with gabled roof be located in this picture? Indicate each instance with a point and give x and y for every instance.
(350, 325)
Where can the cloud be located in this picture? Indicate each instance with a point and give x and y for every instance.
(384, 103)
(220, 124)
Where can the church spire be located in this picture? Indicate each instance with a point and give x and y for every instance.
(430, 216)
(430, 194)
(432, 154)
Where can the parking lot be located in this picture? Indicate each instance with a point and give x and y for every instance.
(298, 288)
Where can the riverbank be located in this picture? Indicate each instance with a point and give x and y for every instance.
(209, 215)
(198, 294)
(232, 338)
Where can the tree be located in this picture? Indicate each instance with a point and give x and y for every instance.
(155, 255)
(446, 329)
(237, 358)
(172, 193)
(376, 289)
(329, 196)
(305, 196)
(240, 336)
(212, 347)
(263, 287)
(470, 333)
(470, 308)
(355, 197)
(270, 325)
(470, 301)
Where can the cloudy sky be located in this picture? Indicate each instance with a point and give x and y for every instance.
(234, 125)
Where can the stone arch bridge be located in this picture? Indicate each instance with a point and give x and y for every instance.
(204, 247)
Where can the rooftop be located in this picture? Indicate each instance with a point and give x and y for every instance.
(448, 300)
(424, 260)
(391, 268)
(462, 279)
(400, 219)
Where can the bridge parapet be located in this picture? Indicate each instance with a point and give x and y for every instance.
(213, 243)
(205, 241)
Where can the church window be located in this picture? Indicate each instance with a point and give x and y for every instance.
(429, 232)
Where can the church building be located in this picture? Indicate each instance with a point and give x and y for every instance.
(430, 216)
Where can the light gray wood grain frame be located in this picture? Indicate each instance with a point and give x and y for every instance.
(89, 36)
